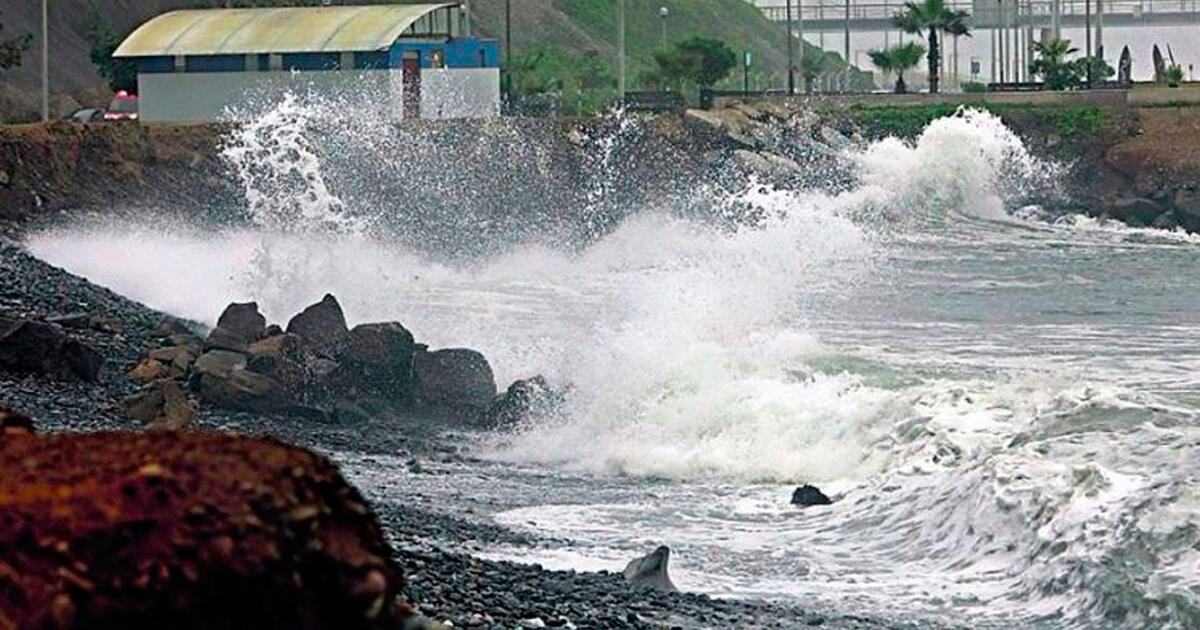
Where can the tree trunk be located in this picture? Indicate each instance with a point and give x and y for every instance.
(935, 59)
(900, 87)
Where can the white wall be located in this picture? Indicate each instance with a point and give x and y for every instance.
(460, 92)
(207, 96)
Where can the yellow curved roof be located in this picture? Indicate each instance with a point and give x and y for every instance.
(273, 30)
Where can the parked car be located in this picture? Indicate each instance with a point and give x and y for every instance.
(87, 115)
(124, 106)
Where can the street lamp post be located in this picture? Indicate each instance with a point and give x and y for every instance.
(621, 49)
(508, 49)
(45, 61)
(663, 12)
(791, 63)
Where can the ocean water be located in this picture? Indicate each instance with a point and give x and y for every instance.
(1005, 405)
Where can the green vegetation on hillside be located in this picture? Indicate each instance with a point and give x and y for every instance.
(11, 49)
(910, 121)
(737, 23)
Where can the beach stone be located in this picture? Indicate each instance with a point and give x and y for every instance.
(807, 495)
(148, 370)
(650, 571)
(224, 339)
(219, 363)
(377, 362)
(524, 399)
(454, 377)
(243, 390)
(80, 321)
(40, 348)
(321, 326)
(160, 404)
(188, 530)
(1135, 211)
(243, 320)
(169, 326)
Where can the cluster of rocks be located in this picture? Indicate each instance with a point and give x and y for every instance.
(315, 367)
(185, 530)
(1168, 209)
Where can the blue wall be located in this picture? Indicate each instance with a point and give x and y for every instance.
(461, 52)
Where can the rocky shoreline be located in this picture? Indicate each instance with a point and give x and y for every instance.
(441, 579)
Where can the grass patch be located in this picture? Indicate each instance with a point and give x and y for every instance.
(909, 121)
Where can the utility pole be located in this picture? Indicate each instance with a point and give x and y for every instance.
(791, 62)
(847, 30)
(1087, 25)
(1100, 28)
(621, 49)
(508, 49)
(45, 61)
(800, 33)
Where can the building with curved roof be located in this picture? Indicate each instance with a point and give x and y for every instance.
(221, 64)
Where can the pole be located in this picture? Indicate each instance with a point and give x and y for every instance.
(1087, 25)
(45, 61)
(621, 49)
(791, 61)
(955, 73)
(992, 49)
(1056, 8)
(1001, 54)
(847, 30)
(800, 31)
(662, 12)
(1099, 28)
(508, 49)
(746, 72)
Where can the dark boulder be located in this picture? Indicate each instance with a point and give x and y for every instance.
(377, 362)
(14, 423)
(243, 390)
(524, 400)
(243, 320)
(650, 571)
(224, 339)
(219, 363)
(322, 326)
(1135, 211)
(807, 495)
(454, 377)
(41, 348)
(1187, 209)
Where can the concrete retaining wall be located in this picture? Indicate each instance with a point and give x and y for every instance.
(1142, 96)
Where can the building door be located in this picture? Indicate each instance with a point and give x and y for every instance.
(411, 76)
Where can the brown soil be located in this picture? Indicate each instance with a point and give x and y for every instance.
(1164, 150)
(184, 530)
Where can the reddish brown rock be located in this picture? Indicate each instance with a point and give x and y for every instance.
(185, 530)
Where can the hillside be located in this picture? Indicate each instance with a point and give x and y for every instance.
(580, 26)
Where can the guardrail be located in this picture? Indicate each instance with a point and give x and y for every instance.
(986, 13)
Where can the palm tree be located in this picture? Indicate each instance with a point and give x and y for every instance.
(934, 17)
(1052, 65)
(898, 59)
(811, 67)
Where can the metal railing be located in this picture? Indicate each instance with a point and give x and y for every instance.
(1131, 10)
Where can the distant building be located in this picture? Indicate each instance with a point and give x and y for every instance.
(195, 65)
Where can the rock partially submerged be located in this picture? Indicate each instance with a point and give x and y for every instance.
(186, 531)
(524, 401)
(807, 495)
(650, 571)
